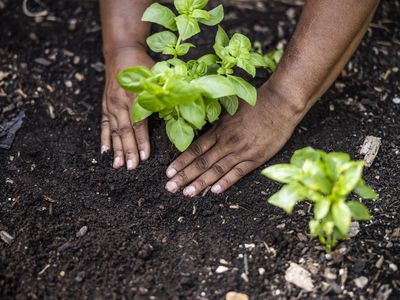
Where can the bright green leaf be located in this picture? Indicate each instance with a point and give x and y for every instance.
(321, 208)
(213, 110)
(187, 26)
(216, 15)
(180, 133)
(247, 66)
(301, 155)
(221, 38)
(182, 91)
(131, 79)
(160, 40)
(138, 113)
(244, 90)
(283, 173)
(208, 59)
(288, 196)
(194, 113)
(350, 177)
(315, 227)
(341, 216)
(160, 14)
(215, 86)
(187, 6)
(359, 211)
(257, 60)
(150, 102)
(201, 14)
(184, 48)
(230, 103)
(365, 191)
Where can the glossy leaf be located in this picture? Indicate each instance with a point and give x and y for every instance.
(359, 211)
(244, 90)
(150, 102)
(216, 15)
(161, 40)
(213, 109)
(184, 48)
(138, 113)
(321, 208)
(341, 216)
(180, 133)
(350, 177)
(187, 6)
(230, 103)
(194, 113)
(187, 26)
(215, 86)
(160, 14)
(304, 154)
(283, 173)
(287, 196)
(221, 38)
(131, 79)
(365, 191)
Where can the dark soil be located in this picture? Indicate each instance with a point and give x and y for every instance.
(141, 241)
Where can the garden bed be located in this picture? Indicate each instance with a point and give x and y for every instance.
(143, 242)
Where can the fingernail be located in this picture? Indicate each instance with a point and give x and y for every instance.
(190, 191)
(216, 189)
(117, 162)
(171, 186)
(142, 155)
(104, 148)
(171, 172)
(129, 164)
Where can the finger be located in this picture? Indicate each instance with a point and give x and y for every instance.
(105, 134)
(219, 169)
(116, 144)
(196, 149)
(233, 176)
(128, 140)
(198, 166)
(142, 139)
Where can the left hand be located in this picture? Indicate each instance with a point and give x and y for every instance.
(235, 146)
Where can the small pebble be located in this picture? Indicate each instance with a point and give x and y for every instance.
(396, 100)
(6, 237)
(82, 231)
(221, 269)
(236, 296)
(361, 282)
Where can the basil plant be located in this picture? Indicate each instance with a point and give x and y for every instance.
(188, 94)
(326, 179)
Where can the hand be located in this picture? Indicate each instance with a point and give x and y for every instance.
(235, 146)
(129, 142)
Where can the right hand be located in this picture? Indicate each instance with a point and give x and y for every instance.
(130, 142)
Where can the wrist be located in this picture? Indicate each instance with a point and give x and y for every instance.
(116, 49)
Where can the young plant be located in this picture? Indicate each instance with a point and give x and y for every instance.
(188, 94)
(325, 179)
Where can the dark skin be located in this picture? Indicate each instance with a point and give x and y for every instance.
(326, 36)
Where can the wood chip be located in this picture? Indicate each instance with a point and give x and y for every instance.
(370, 149)
(6, 237)
(299, 276)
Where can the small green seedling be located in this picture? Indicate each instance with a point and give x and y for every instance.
(188, 94)
(325, 179)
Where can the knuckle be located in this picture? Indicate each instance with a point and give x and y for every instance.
(233, 139)
(195, 148)
(201, 183)
(139, 125)
(239, 171)
(201, 163)
(124, 130)
(218, 169)
(182, 175)
(114, 102)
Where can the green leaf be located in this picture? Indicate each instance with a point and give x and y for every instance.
(350, 177)
(167, 114)
(288, 196)
(321, 208)
(315, 177)
(182, 91)
(201, 14)
(131, 79)
(208, 59)
(283, 173)
(187, 6)
(359, 211)
(161, 67)
(180, 133)
(187, 26)
(257, 60)
(194, 113)
(334, 161)
(221, 38)
(184, 48)
(215, 86)
(247, 66)
(160, 14)
(150, 102)
(239, 44)
(341, 216)
(216, 15)
(301, 155)
(365, 191)
(213, 110)
(138, 113)
(315, 227)
(230, 103)
(244, 90)
(161, 40)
